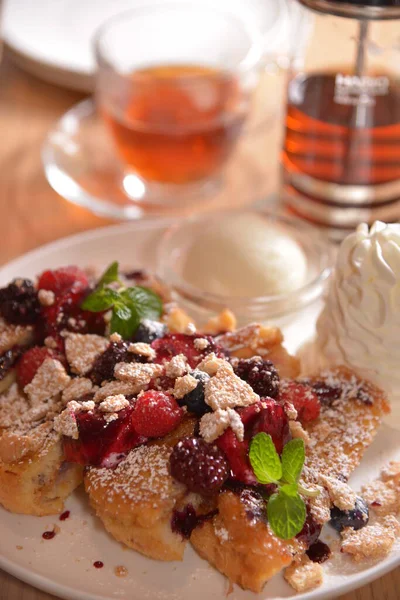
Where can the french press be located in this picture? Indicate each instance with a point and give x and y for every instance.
(341, 150)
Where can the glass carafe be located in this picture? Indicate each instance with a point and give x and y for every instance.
(341, 151)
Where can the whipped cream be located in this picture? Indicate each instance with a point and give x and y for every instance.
(360, 323)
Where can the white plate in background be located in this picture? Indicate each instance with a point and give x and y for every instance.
(64, 566)
(52, 38)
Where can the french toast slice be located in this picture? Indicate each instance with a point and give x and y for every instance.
(136, 501)
(238, 541)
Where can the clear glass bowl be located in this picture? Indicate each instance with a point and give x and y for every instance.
(201, 303)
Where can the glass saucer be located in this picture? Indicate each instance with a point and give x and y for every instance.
(81, 165)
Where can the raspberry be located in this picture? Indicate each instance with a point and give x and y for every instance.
(194, 400)
(303, 398)
(102, 444)
(19, 303)
(7, 360)
(202, 467)
(30, 362)
(63, 279)
(103, 367)
(149, 331)
(179, 343)
(237, 454)
(272, 419)
(156, 414)
(260, 374)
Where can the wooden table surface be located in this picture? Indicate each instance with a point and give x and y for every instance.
(32, 214)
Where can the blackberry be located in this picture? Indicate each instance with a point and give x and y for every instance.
(357, 518)
(194, 400)
(8, 359)
(260, 374)
(19, 303)
(148, 331)
(202, 467)
(103, 367)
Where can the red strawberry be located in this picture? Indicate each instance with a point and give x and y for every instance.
(179, 343)
(63, 279)
(237, 454)
(30, 362)
(156, 414)
(272, 419)
(303, 398)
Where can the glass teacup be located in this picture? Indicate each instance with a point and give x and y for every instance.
(174, 86)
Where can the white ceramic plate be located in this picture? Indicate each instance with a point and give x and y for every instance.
(52, 38)
(64, 566)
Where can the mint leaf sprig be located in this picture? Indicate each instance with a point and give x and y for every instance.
(286, 510)
(128, 305)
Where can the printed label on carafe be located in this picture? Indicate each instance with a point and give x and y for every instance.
(353, 90)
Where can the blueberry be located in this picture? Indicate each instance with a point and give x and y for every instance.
(148, 331)
(194, 400)
(357, 518)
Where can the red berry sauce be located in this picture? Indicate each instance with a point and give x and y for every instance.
(185, 521)
(319, 552)
(48, 535)
(65, 515)
(98, 564)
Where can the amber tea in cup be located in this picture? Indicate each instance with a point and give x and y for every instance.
(174, 86)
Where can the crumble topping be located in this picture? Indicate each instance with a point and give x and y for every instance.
(382, 496)
(14, 335)
(304, 575)
(112, 388)
(50, 342)
(65, 423)
(83, 349)
(46, 297)
(373, 541)
(50, 379)
(201, 344)
(110, 417)
(78, 387)
(297, 431)
(184, 385)
(290, 411)
(115, 338)
(142, 349)
(137, 373)
(212, 425)
(391, 471)
(13, 404)
(177, 366)
(85, 406)
(190, 329)
(175, 319)
(210, 364)
(227, 390)
(113, 404)
(339, 492)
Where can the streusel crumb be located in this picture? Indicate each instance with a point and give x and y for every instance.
(78, 387)
(142, 349)
(304, 575)
(201, 344)
(210, 364)
(373, 541)
(137, 373)
(382, 496)
(113, 404)
(184, 385)
(177, 366)
(297, 431)
(46, 297)
(66, 423)
(339, 492)
(82, 350)
(50, 379)
(227, 390)
(391, 472)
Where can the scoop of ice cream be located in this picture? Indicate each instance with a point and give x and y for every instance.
(360, 323)
(244, 255)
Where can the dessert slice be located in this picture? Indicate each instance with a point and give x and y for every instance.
(138, 500)
(238, 541)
